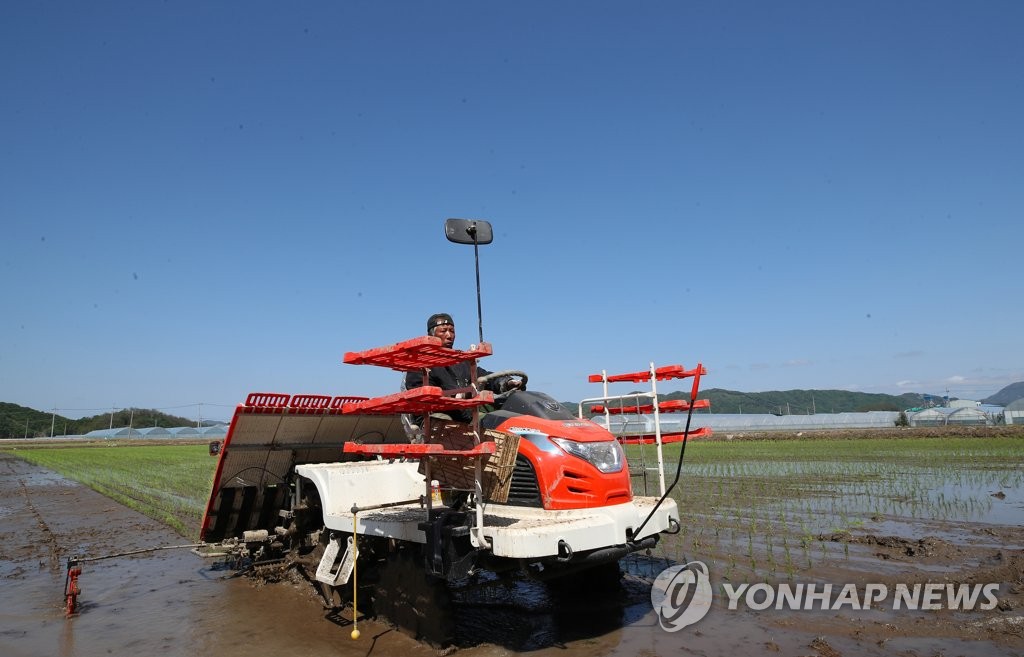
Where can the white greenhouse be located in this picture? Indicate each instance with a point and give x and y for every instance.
(1014, 412)
(943, 416)
(215, 431)
(741, 422)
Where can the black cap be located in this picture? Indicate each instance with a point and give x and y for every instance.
(437, 320)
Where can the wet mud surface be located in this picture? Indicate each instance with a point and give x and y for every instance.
(174, 603)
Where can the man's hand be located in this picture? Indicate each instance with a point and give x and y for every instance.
(514, 384)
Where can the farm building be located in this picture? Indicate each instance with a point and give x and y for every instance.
(942, 416)
(214, 431)
(995, 413)
(740, 422)
(106, 434)
(1014, 412)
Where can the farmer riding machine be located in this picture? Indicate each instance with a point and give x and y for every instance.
(371, 504)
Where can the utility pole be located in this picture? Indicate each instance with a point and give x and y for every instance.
(53, 420)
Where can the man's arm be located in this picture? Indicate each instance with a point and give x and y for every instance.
(500, 384)
(494, 385)
(413, 379)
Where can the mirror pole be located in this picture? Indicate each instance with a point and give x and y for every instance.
(476, 259)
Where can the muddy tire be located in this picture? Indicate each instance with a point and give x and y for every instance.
(416, 602)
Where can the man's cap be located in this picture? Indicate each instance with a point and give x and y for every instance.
(438, 320)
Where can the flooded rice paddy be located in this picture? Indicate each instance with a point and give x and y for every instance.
(841, 511)
(759, 511)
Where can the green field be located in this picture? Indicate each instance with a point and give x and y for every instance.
(759, 505)
(169, 483)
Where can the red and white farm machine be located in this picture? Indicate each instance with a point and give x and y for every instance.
(391, 518)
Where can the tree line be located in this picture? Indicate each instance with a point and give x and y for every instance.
(794, 402)
(21, 422)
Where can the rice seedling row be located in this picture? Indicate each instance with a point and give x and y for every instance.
(760, 509)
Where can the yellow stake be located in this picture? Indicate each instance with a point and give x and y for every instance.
(355, 568)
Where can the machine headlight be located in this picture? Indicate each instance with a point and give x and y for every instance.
(606, 456)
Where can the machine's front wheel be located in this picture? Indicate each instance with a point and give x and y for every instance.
(308, 561)
(603, 579)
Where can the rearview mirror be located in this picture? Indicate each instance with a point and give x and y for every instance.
(463, 231)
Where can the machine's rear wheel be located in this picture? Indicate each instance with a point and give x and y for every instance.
(416, 602)
(599, 580)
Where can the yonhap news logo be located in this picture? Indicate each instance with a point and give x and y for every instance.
(682, 595)
(912, 597)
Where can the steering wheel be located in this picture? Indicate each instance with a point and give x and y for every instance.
(483, 380)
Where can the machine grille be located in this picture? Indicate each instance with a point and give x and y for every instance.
(524, 490)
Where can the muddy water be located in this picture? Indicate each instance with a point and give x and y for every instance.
(174, 603)
(165, 603)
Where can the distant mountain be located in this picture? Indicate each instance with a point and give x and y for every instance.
(1007, 395)
(797, 402)
(805, 402)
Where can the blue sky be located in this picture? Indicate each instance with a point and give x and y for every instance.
(201, 201)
